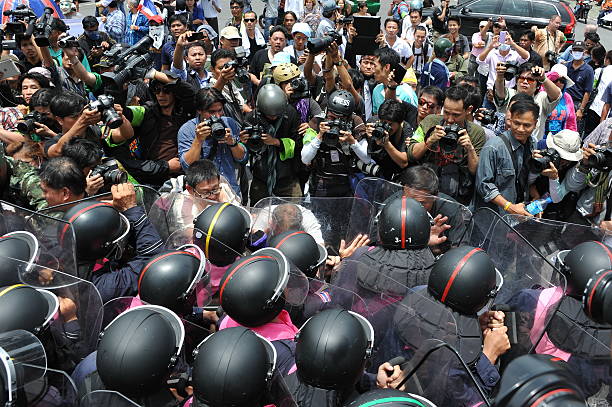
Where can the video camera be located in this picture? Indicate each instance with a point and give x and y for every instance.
(511, 71)
(549, 155)
(601, 160)
(316, 45)
(380, 127)
(217, 127)
(301, 90)
(131, 63)
(42, 28)
(110, 172)
(21, 13)
(448, 143)
(331, 137)
(104, 105)
(68, 42)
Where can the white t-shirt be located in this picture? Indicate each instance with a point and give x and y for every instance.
(402, 48)
(606, 79)
(419, 61)
(408, 30)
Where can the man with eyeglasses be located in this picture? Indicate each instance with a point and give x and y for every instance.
(431, 99)
(196, 140)
(529, 79)
(252, 37)
(236, 8)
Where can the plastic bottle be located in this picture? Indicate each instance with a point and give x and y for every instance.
(538, 206)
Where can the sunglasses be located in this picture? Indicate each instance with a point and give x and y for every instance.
(159, 89)
(235, 7)
(426, 104)
(249, 20)
(526, 78)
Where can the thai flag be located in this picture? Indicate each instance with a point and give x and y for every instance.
(147, 8)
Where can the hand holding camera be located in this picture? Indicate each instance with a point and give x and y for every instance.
(202, 131)
(538, 73)
(269, 140)
(323, 129)
(435, 136)
(541, 160)
(465, 141)
(551, 172)
(347, 137)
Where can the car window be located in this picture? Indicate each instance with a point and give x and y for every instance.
(562, 10)
(543, 10)
(483, 6)
(514, 8)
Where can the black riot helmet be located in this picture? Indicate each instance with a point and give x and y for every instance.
(251, 290)
(301, 249)
(138, 348)
(404, 224)
(221, 231)
(579, 264)
(538, 381)
(341, 103)
(390, 398)
(464, 279)
(24, 307)
(597, 297)
(169, 279)
(18, 252)
(99, 229)
(232, 368)
(333, 348)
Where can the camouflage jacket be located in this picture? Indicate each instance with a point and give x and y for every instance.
(24, 186)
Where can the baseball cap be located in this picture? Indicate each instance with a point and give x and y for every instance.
(302, 28)
(482, 24)
(578, 45)
(230, 33)
(567, 143)
(329, 5)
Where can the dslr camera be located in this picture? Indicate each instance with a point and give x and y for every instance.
(488, 117)
(551, 57)
(300, 88)
(27, 126)
(549, 155)
(511, 71)
(255, 130)
(239, 65)
(448, 143)
(217, 127)
(316, 45)
(104, 105)
(371, 169)
(601, 160)
(110, 172)
(331, 137)
(380, 127)
(68, 42)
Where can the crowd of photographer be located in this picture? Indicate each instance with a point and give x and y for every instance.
(303, 102)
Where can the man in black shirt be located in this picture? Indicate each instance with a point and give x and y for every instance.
(92, 41)
(278, 41)
(526, 42)
(252, 33)
(389, 151)
(30, 53)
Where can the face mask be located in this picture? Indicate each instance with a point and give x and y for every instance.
(504, 47)
(578, 55)
(94, 35)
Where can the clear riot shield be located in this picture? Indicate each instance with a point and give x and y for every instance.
(22, 361)
(438, 373)
(106, 398)
(328, 220)
(194, 333)
(377, 191)
(54, 388)
(532, 285)
(79, 300)
(56, 238)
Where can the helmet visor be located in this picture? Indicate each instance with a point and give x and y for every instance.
(23, 360)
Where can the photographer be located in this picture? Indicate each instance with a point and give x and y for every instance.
(93, 42)
(329, 8)
(207, 137)
(271, 136)
(332, 144)
(549, 40)
(223, 74)
(431, 100)
(87, 155)
(497, 53)
(451, 143)
(388, 148)
(64, 76)
(194, 54)
(562, 178)
(529, 79)
(502, 176)
(77, 119)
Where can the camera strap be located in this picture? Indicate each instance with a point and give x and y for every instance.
(521, 174)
